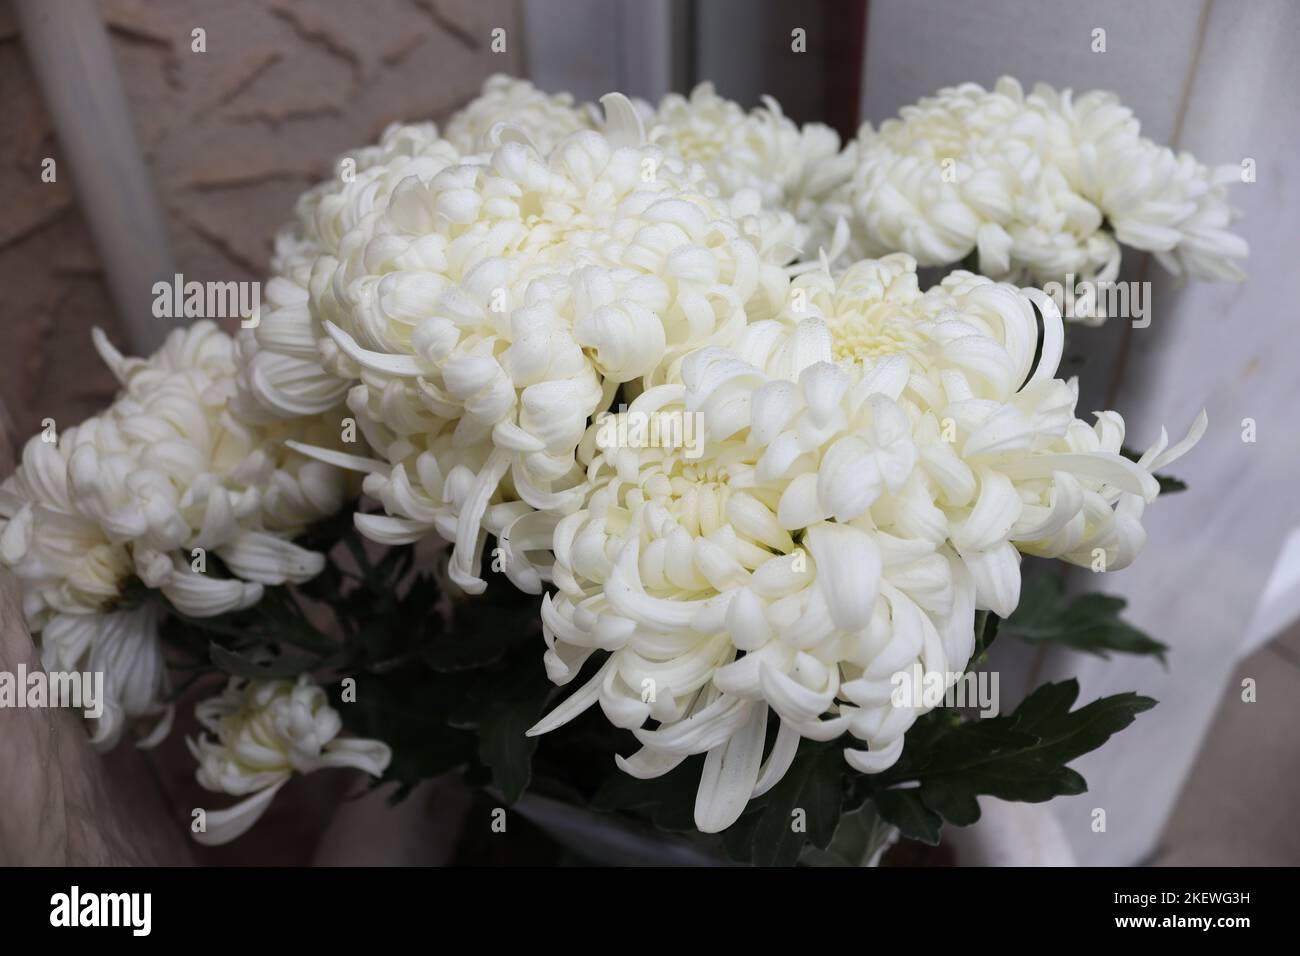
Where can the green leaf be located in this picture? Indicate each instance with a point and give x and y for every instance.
(462, 651)
(1088, 622)
(1020, 756)
(505, 748)
(505, 705)
(286, 623)
(668, 800)
(955, 804)
(986, 631)
(905, 810)
(271, 668)
(773, 832)
(1170, 485)
(1065, 734)
(403, 710)
(482, 634)
(861, 835)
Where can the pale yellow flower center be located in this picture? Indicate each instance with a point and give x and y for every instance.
(871, 334)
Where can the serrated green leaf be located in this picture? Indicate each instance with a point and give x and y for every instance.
(955, 804)
(1021, 756)
(1086, 622)
(1065, 734)
(905, 810)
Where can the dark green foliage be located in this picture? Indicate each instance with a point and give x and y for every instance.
(1086, 622)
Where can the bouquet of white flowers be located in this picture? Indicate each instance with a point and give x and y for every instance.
(733, 504)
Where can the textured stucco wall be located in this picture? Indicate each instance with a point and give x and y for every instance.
(231, 136)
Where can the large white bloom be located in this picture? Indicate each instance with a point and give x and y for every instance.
(489, 310)
(876, 460)
(291, 365)
(1154, 199)
(793, 169)
(265, 732)
(133, 492)
(544, 119)
(1039, 186)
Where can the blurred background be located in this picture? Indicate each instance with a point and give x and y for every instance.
(172, 160)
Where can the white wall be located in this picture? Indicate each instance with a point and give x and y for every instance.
(1217, 78)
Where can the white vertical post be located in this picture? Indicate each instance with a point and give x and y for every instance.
(67, 45)
(593, 47)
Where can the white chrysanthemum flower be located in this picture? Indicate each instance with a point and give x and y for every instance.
(291, 366)
(544, 119)
(1038, 186)
(491, 309)
(1154, 199)
(973, 388)
(266, 731)
(133, 492)
(876, 459)
(793, 169)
